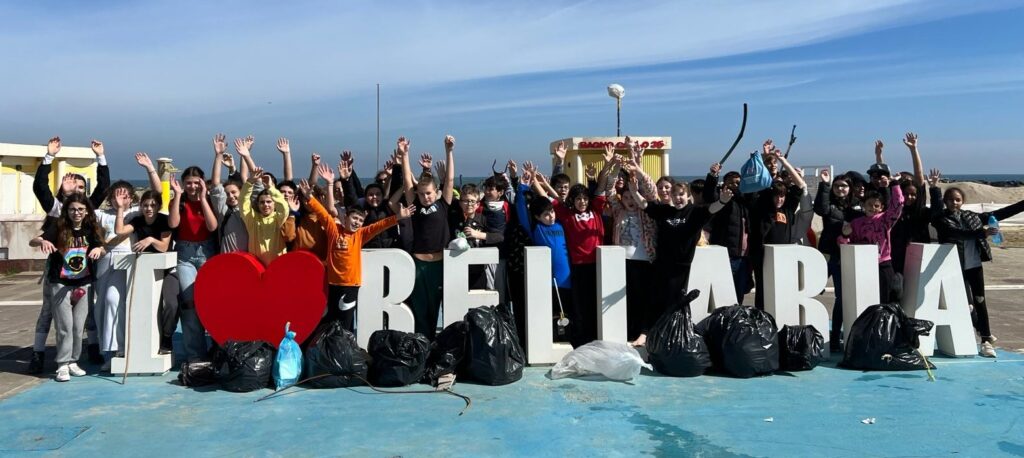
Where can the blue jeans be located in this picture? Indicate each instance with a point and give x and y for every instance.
(835, 270)
(191, 256)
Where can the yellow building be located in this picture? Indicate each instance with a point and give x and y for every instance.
(583, 151)
(20, 213)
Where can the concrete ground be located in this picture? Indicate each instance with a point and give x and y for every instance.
(811, 413)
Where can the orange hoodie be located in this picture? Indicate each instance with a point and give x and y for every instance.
(344, 248)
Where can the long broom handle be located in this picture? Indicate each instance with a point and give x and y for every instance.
(743, 128)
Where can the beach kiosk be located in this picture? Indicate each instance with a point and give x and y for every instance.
(20, 214)
(583, 151)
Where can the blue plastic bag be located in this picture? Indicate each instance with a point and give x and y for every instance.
(754, 176)
(288, 364)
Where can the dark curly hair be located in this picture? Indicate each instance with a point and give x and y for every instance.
(65, 227)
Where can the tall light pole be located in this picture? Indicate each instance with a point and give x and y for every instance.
(617, 91)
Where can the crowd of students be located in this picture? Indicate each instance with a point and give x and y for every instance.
(333, 216)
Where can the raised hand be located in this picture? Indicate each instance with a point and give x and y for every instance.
(68, 184)
(529, 167)
(442, 169)
(344, 170)
(348, 158)
(560, 151)
(638, 152)
(175, 186)
(426, 160)
(219, 144)
(715, 169)
(256, 175)
(511, 167)
(591, 172)
(934, 177)
(229, 161)
(202, 188)
(47, 247)
(242, 146)
(878, 147)
(293, 202)
(97, 147)
(143, 160)
(283, 146)
(405, 212)
(825, 176)
(305, 189)
(526, 178)
(726, 195)
(315, 159)
(768, 146)
(402, 150)
(122, 198)
(609, 153)
(324, 171)
(387, 166)
(449, 143)
(53, 146)
(910, 140)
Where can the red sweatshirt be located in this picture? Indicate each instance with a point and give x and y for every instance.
(583, 231)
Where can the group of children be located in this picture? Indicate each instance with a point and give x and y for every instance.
(658, 223)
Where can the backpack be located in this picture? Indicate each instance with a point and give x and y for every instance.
(754, 176)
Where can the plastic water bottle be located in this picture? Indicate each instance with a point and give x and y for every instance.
(997, 239)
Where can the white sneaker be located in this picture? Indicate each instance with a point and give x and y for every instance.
(75, 370)
(62, 373)
(987, 350)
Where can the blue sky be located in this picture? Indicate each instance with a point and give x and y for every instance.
(506, 78)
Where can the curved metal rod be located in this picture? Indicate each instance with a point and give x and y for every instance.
(739, 137)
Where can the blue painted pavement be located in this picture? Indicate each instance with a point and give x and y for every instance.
(974, 408)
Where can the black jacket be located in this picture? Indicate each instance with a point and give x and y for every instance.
(41, 188)
(966, 226)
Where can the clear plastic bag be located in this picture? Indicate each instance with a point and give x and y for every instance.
(614, 360)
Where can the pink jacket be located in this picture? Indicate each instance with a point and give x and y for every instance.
(875, 229)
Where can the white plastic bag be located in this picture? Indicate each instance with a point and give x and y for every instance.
(614, 360)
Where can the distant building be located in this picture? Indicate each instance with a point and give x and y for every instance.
(20, 213)
(583, 151)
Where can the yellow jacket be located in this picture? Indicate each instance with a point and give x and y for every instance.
(265, 241)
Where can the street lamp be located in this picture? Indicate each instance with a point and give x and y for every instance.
(617, 91)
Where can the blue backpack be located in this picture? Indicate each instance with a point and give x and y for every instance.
(754, 176)
(288, 364)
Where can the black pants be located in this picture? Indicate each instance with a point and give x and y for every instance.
(671, 279)
(168, 311)
(338, 297)
(757, 263)
(583, 310)
(887, 279)
(639, 283)
(974, 280)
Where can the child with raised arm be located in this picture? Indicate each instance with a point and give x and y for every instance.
(873, 228)
(264, 222)
(196, 226)
(912, 226)
(225, 198)
(833, 204)
(345, 242)
(430, 235)
(149, 230)
(969, 231)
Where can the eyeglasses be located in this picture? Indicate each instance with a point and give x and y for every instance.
(469, 202)
(76, 209)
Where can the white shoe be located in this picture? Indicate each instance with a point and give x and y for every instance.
(75, 370)
(62, 373)
(987, 350)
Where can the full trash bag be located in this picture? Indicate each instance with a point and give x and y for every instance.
(493, 353)
(674, 348)
(447, 352)
(884, 338)
(288, 363)
(743, 341)
(801, 348)
(334, 359)
(398, 358)
(199, 373)
(613, 360)
(246, 366)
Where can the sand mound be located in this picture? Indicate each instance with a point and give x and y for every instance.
(982, 193)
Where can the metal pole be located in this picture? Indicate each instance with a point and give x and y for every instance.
(618, 117)
(378, 125)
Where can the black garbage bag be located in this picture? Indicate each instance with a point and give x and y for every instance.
(447, 352)
(398, 358)
(674, 348)
(884, 338)
(801, 348)
(743, 341)
(493, 353)
(333, 358)
(245, 366)
(200, 373)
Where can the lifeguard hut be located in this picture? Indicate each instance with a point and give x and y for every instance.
(583, 151)
(20, 213)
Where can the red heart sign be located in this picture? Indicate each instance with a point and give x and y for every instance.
(238, 299)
